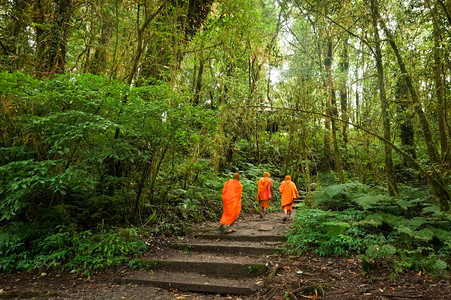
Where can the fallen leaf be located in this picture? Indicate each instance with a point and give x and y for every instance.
(299, 272)
(311, 297)
(367, 294)
(419, 273)
(181, 297)
(393, 289)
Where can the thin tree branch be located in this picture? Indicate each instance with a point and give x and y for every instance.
(348, 30)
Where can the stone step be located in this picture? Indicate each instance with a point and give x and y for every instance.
(237, 237)
(245, 268)
(193, 282)
(215, 247)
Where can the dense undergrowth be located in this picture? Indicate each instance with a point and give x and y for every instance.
(91, 169)
(25, 246)
(347, 219)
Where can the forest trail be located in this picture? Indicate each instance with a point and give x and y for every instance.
(244, 265)
(220, 264)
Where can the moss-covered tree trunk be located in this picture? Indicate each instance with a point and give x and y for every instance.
(389, 167)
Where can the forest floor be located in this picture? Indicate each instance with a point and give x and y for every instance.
(297, 276)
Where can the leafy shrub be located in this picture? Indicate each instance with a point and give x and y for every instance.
(103, 250)
(324, 231)
(23, 248)
(405, 232)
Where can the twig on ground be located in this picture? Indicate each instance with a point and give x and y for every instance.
(273, 272)
(292, 296)
(270, 294)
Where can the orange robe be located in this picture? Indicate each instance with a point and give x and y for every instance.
(289, 191)
(231, 200)
(264, 191)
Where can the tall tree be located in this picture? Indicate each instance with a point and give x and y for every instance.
(439, 187)
(343, 87)
(51, 23)
(439, 88)
(389, 167)
(15, 48)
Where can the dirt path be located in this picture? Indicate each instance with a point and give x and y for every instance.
(292, 276)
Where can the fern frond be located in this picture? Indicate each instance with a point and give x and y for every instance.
(425, 235)
(416, 222)
(442, 235)
(403, 204)
(377, 219)
(335, 227)
(368, 201)
(404, 229)
(432, 209)
(334, 190)
(387, 250)
(320, 197)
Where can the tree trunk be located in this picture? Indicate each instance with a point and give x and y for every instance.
(39, 15)
(405, 116)
(332, 110)
(438, 66)
(389, 168)
(438, 186)
(432, 150)
(52, 28)
(56, 60)
(326, 162)
(199, 80)
(99, 63)
(344, 68)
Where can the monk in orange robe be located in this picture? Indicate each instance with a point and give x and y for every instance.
(231, 200)
(288, 191)
(264, 193)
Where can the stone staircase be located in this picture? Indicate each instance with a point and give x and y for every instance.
(209, 262)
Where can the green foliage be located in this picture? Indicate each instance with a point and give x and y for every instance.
(335, 196)
(61, 150)
(405, 233)
(325, 232)
(375, 255)
(23, 248)
(103, 250)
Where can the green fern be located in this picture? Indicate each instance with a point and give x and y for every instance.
(377, 219)
(339, 189)
(416, 222)
(434, 211)
(401, 229)
(425, 235)
(431, 209)
(442, 235)
(334, 228)
(374, 251)
(368, 201)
